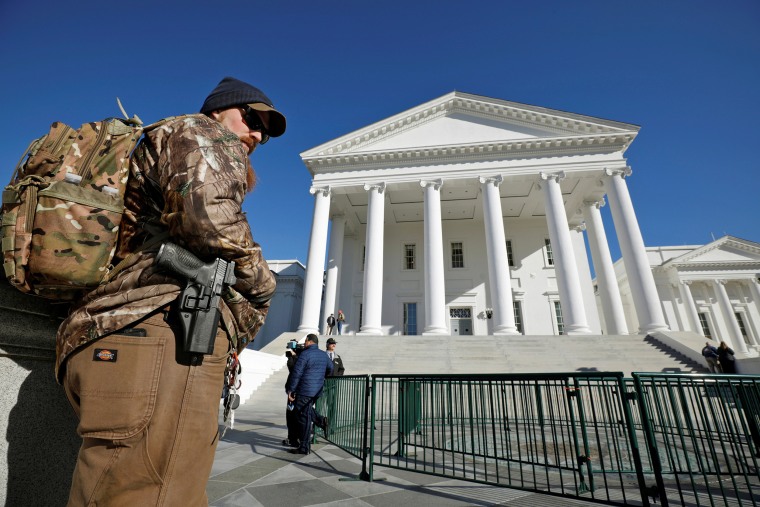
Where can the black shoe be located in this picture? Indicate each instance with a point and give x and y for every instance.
(298, 451)
(326, 428)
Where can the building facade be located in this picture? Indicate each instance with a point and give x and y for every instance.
(712, 290)
(285, 308)
(467, 215)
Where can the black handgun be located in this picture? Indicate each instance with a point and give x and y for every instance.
(199, 302)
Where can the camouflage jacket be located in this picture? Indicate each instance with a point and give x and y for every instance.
(187, 179)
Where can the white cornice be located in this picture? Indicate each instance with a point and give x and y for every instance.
(566, 125)
(501, 150)
(701, 265)
(729, 241)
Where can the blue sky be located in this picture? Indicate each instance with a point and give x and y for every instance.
(687, 72)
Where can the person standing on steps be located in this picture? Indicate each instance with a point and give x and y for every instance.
(341, 320)
(304, 387)
(338, 368)
(330, 324)
(710, 354)
(293, 350)
(726, 358)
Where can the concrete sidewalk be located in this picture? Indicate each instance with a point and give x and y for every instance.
(252, 469)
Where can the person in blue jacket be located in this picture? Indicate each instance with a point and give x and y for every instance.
(304, 387)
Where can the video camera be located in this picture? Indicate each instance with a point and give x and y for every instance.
(294, 346)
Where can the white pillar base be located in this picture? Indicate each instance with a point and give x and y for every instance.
(578, 330)
(435, 331)
(505, 330)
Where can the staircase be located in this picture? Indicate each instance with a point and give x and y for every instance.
(501, 354)
(255, 368)
(696, 367)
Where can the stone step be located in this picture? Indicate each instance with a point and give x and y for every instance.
(500, 354)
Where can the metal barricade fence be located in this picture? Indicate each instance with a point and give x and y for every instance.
(703, 432)
(674, 439)
(553, 433)
(345, 402)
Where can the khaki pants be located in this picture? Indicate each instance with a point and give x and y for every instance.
(148, 420)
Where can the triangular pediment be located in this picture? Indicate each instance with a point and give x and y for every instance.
(457, 128)
(463, 120)
(727, 250)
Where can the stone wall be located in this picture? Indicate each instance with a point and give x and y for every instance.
(39, 450)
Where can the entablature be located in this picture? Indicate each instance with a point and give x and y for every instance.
(748, 268)
(475, 152)
(347, 181)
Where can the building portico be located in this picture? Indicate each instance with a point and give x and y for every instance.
(712, 290)
(466, 215)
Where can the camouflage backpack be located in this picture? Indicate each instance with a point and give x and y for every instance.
(62, 209)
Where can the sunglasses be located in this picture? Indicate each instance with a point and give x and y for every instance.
(253, 120)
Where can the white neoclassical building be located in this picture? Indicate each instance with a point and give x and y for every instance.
(467, 215)
(711, 289)
(285, 309)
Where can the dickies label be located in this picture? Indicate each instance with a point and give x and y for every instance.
(105, 355)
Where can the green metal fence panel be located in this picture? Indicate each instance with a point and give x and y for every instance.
(703, 433)
(675, 439)
(345, 402)
(562, 434)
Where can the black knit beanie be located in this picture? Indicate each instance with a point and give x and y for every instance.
(232, 92)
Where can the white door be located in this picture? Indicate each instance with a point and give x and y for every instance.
(461, 321)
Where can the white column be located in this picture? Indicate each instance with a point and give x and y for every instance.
(315, 262)
(568, 282)
(753, 310)
(754, 288)
(612, 304)
(498, 263)
(334, 259)
(435, 288)
(691, 307)
(735, 334)
(643, 289)
(373, 267)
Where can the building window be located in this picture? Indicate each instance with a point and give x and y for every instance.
(361, 317)
(409, 256)
(457, 255)
(549, 254)
(510, 258)
(460, 313)
(742, 327)
(517, 305)
(558, 314)
(705, 325)
(410, 318)
(364, 256)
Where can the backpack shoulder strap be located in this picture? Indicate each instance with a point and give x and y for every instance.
(151, 243)
(163, 121)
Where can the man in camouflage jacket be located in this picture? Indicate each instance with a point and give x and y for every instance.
(148, 410)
